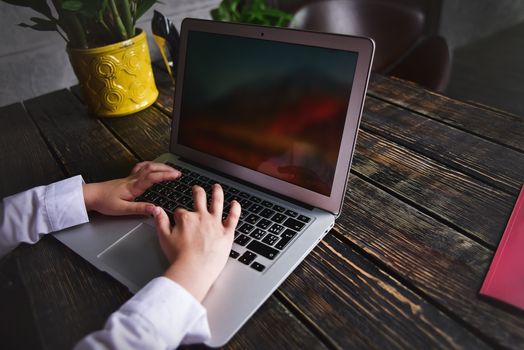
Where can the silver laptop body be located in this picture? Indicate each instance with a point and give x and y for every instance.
(272, 113)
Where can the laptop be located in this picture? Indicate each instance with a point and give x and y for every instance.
(271, 114)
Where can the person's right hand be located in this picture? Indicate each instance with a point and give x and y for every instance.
(198, 246)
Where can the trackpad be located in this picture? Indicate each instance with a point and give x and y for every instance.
(136, 256)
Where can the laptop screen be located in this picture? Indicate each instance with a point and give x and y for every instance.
(273, 107)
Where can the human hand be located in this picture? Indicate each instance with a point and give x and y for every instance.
(116, 197)
(198, 246)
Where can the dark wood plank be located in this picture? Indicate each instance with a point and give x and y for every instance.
(430, 257)
(274, 327)
(360, 306)
(69, 297)
(147, 132)
(490, 162)
(19, 330)
(24, 153)
(462, 201)
(82, 143)
(502, 128)
(166, 89)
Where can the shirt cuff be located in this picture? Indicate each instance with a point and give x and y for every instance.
(175, 314)
(64, 204)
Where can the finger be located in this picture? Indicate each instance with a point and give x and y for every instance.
(149, 167)
(232, 218)
(137, 167)
(199, 199)
(136, 208)
(180, 216)
(162, 225)
(217, 200)
(147, 180)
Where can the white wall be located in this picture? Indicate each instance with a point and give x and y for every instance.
(33, 63)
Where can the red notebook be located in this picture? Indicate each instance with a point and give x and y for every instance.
(505, 278)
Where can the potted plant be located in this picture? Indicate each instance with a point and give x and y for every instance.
(108, 53)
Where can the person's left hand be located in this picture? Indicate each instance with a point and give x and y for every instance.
(116, 197)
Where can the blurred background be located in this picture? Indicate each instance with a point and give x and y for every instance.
(483, 40)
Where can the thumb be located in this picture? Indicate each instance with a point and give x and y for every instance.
(137, 208)
(162, 224)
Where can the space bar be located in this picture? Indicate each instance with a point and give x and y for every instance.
(262, 249)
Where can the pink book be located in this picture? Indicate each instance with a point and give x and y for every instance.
(505, 278)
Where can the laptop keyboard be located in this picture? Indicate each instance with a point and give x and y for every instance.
(264, 230)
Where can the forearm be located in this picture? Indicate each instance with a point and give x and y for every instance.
(26, 216)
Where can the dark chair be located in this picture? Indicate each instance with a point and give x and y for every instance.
(403, 47)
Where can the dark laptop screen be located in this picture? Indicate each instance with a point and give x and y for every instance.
(273, 107)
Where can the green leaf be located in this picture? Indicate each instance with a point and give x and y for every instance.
(37, 5)
(72, 5)
(40, 24)
(143, 6)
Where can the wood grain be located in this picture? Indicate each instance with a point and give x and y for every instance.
(460, 200)
(274, 327)
(357, 305)
(24, 153)
(83, 145)
(503, 128)
(166, 89)
(430, 257)
(147, 133)
(490, 162)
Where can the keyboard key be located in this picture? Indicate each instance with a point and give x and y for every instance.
(256, 208)
(246, 228)
(233, 190)
(204, 178)
(233, 254)
(264, 224)
(279, 218)
(247, 258)
(303, 218)
(294, 224)
(242, 240)
(267, 213)
(252, 219)
(244, 195)
(258, 266)
(255, 199)
(288, 233)
(276, 229)
(258, 233)
(161, 201)
(291, 213)
(263, 249)
(244, 203)
(170, 206)
(185, 201)
(267, 204)
(279, 208)
(270, 239)
(282, 243)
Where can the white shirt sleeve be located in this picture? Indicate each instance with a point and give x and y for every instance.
(161, 315)
(26, 216)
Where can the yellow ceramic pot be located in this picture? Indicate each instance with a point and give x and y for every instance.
(116, 79)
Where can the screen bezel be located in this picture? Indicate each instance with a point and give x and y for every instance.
(364, 47)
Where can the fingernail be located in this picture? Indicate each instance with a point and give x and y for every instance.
(152, 210)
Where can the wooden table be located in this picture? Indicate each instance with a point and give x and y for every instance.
(432, 186)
